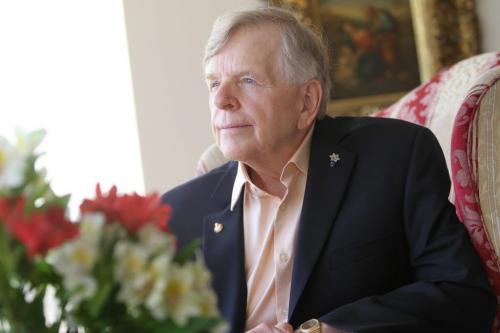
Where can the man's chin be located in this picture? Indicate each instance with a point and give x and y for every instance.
(232, 154)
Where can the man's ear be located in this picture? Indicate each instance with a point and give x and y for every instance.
(312, 93)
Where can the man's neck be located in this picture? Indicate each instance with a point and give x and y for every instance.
(268, 181)
(267, 176)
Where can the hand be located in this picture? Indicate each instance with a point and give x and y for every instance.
(266, 328)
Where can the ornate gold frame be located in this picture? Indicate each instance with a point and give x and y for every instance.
(446, 31)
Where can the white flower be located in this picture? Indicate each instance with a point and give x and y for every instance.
(82, 288)
(207, 303)
(75, 259)
(206, 298)
(172, 297)
(91, 226)
(156, 241)
(200, 273)
(185, 292)
(14, 158)
(28, 142)
(12, 165)
(74, 262)
(132, 273)
(220, 328)
(140, 265)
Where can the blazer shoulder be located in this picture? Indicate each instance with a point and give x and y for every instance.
(204, 187)
(371, 128)
(193, 200)
(355, 123)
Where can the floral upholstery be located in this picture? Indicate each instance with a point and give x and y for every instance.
(210, 159)
(461, 105)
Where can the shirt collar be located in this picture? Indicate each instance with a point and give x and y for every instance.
(300, 159)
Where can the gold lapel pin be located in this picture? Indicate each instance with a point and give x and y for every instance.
(334, 158)
(218, 227)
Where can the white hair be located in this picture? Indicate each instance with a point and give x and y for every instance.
(304, 56)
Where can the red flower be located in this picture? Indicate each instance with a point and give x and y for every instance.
(40, 231)
(11, 210)
(131, 210)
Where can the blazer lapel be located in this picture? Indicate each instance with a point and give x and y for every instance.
(224, 255)
(325, 188)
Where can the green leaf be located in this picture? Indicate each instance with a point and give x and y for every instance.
(99, 300)
(44, 273)
(188, 252)
(61, 201)
(194, 325)
(39, 191)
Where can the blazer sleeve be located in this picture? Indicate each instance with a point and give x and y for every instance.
(450, 292)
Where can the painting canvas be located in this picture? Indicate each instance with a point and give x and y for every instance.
(372, 46)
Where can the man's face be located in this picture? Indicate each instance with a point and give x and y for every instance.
(254, 111)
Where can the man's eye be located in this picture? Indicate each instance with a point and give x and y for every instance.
(213, 84)
(248, 80)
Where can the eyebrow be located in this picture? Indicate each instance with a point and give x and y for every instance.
(211, 76)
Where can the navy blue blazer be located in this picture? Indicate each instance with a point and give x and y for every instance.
(379, 247)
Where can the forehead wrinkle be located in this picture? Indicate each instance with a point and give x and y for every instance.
(233, 67)
(238, 57)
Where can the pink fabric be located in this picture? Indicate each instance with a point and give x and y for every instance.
(466, 188)
(413, 107)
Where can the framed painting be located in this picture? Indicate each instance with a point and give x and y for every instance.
(381, 49)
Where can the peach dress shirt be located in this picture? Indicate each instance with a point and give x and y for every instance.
(270, 228)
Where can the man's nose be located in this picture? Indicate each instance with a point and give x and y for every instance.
(225, 97)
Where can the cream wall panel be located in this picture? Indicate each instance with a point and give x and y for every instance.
(166, 40)
(488, 12)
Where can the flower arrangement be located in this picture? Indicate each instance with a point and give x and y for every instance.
(116, 269)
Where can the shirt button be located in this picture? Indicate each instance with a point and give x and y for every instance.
(284, 257)
(284, 312)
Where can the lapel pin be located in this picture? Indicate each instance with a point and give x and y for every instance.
(218, 227)
(334, 158)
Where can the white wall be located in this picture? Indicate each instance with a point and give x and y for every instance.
(64, 67)
(488, 12)
(166, 41)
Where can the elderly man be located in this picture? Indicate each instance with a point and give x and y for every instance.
(321, 224)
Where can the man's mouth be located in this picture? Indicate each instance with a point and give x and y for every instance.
(233, 126)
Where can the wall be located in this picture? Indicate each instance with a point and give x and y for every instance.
(488, 11)
(166, 41)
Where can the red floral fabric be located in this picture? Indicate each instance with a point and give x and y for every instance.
(414, 107)
(466, 187)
